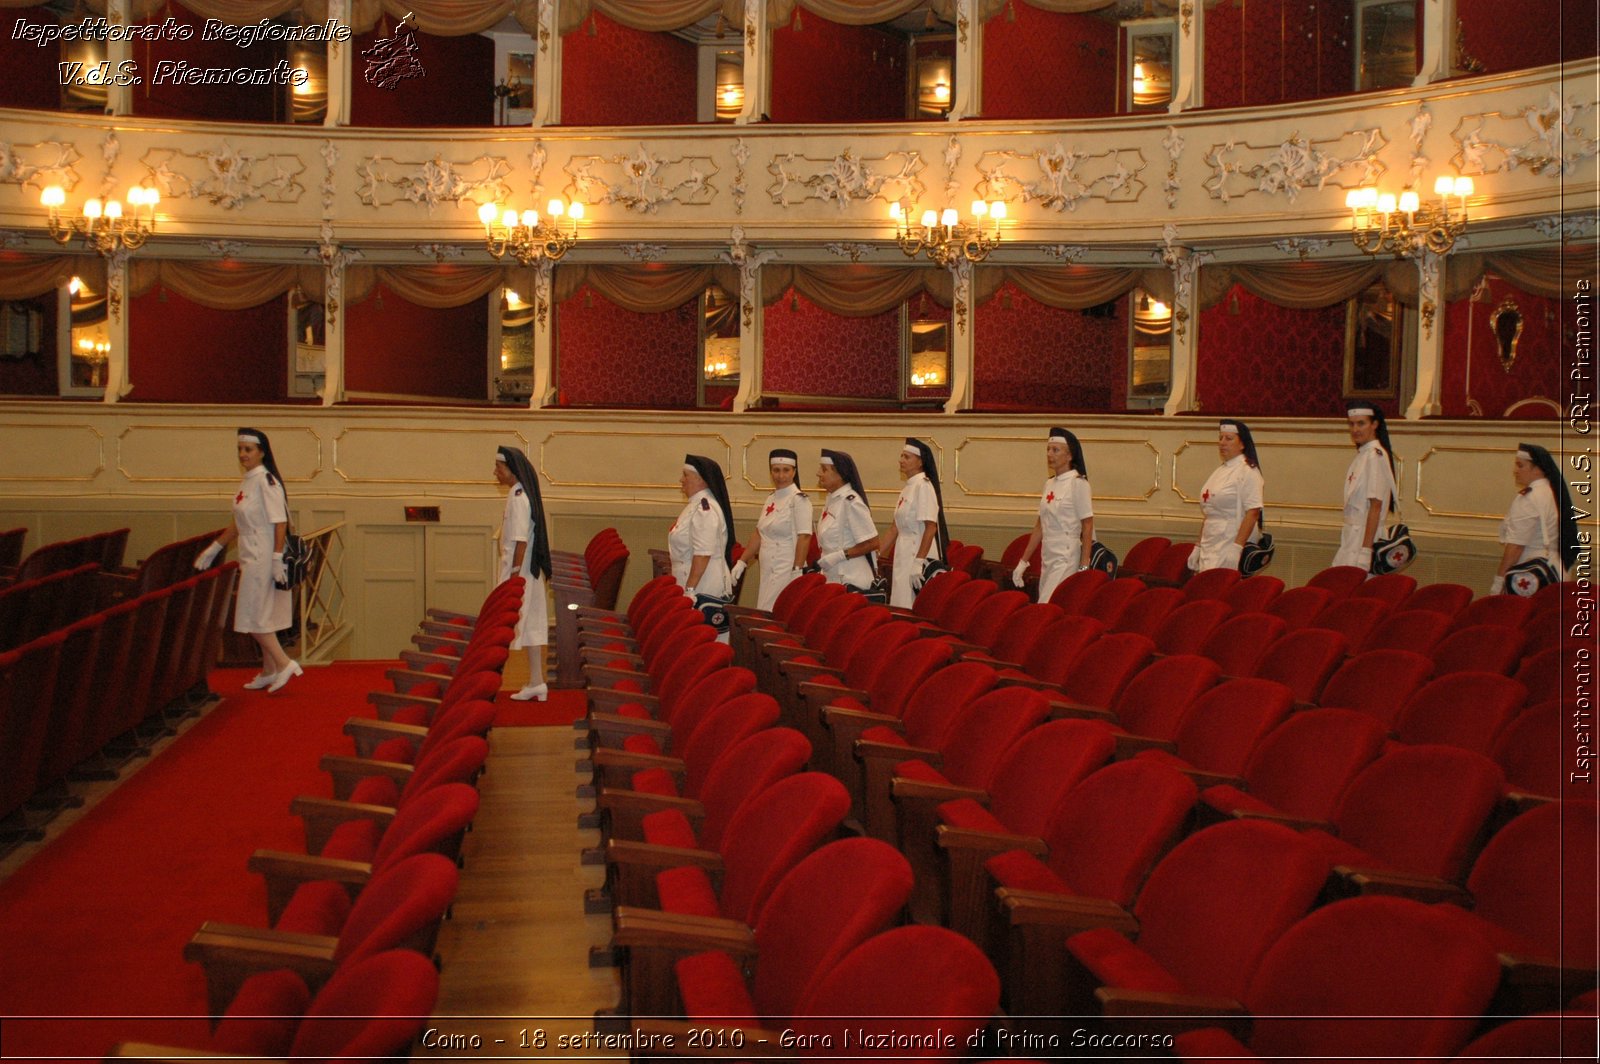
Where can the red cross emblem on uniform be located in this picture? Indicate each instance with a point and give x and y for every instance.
(899, 503)
(771, 506)
(825, 516)
(1523, 583)
(1205, 496)
(1350, 478)
(1051, 497)
(239, 497)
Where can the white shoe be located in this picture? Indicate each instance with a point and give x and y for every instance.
(534, 692)
(290, 671)
(262, 679)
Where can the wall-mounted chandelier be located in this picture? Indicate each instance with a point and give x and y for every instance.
(103, 225)
(1404, 226)
(944, 237)
(527, 236)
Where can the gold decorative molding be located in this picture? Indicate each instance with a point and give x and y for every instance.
(700, 437)
(412, 455)
(1155, 466)
(219, 439)
(27, 455)
(1504, 453)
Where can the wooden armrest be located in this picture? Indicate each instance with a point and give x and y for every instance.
(285, 872)
(230, 954)
(406, 679)
(596, 656)
(824, 693)
(628, 809)
(1299, 823)
(348, 771)
(613, 728)
(639, 928)
(952, 838)
(1130, 745)
(586, 613)
(960, 648)
(609, 696)
(322, 815)
(419, 658)
(1065, 911)
(387, 702)
(800, 672)
(604, 676)
(1427, 889)
(1203, 779)
(926, 790)
(609, 758)
(445, 630)
(982, 657)
(368, 733)
(650, 855)
(859, 719)
(436, 613)
(782, 652)
(1031, 682)
(1061, 709)
(870, 748)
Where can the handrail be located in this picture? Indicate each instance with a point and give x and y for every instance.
(322, 593)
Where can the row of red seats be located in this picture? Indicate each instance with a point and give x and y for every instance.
(342, 964)
(31, 608)
(11, 542)
(102, 548)
(961, 748)
(814, 917)
(592, 578)
(67, 696)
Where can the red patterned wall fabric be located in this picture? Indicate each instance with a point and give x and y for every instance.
(32, 78)
(1272, 51)
(825, 72)
(1537, 370)
(626, 77)
(458, 89)
(395, 346)
(1542, 31)
(811, 351)
(1030, 356)
(232, 103)
(1271, 360)
(181, 352)
(1048, 65)
(608, 356)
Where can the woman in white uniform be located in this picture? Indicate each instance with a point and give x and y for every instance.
(846, 535)
(1539, 526)
(1369, 487)
(701, 539)
(919, 520)
(525, 552)
(260, 524)
(783, 531)
(1064, 530)
(1230, 501)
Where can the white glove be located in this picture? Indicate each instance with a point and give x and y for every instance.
(797, 571)
(738, 570)
(1193, 561)
(1497, 586)
(689, 593)
(916, 578)
(832, 559)
(208, 556)
(1020, 573)
(1230, 555)
(1364, 559)
(280, 571)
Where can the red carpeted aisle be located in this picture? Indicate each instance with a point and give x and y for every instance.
(95, 923)
(564, 707)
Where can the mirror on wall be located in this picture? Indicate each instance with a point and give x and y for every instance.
(1374, 335)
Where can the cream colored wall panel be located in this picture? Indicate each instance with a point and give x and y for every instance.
(455, 456)
(392, 587)
(1014, 467)
(47, 453)
(624, 458)
(208, 454)
(1455, 480)
(460, 566)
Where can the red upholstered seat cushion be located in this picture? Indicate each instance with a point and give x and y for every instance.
(1014, 674)
(1166, 757)
(630, 685)
(1225, 798)
(711, 985)
(317, 908)
(654, 781)
(850, 702)
(416, 715)
(396, 749)
(641, 744)
(634, 710)
(1021, 870)
(918, 769)
(805, 659)
(882, 733)
(688, 891)
(669, 827)
(827, 679)
(1115, 961)
(376, 790)
(437, 668)
(354, 840)
(967, 813)
(1339, 852)
(1502, 939)
(262, 1019)
(428, 689)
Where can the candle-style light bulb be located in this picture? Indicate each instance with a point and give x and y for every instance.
(896, 211)
(930, 218)
(556, 208)
(1409, 201)
(979, 208)
(1444, 185)
(92, 209)
(530, 219)
(575, 211)
(997, 210)
(486, 214)
(509, 219)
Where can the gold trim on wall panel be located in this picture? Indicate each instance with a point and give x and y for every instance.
(1472, 477)
(218, 452)
(1281, 445)
(1044, 472)
(416, 459)
(807, 477)
(21, 447)
(628, 460)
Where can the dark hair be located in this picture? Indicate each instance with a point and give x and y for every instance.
(1558, 485)
(274, 477)
(847, 470)
(1245, 438)
(717, 484)
(1383, 437)
(523, 470)
(1075, 449)
(930, 469)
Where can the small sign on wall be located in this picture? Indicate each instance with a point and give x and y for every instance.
(422, 513)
